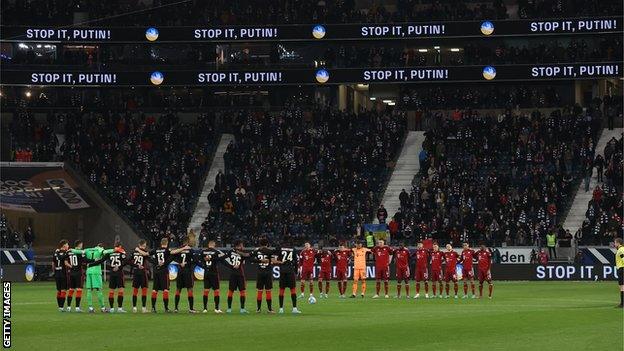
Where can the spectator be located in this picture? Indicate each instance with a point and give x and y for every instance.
(382, 214)
(29, 237)
(543, 257)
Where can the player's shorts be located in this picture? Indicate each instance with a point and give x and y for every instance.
(382, 273)
(237, 282)
(467, 273)
(287, 280)
(620, 273)
(306, 274)
(139, 279)
(436, 276)
(184, 279)
(116, 281)
(484, 275)
(94, 281)
(403, 274)
(264, 281)
(341, 274)
(211, 281)
(450, 276)
(422, 275)
(161, 280)
(76, 280)
(324, 275)
(61, 280)
(359, 274)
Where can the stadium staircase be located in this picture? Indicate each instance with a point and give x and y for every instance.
(218, 163)
(576, 215)
(406, 168)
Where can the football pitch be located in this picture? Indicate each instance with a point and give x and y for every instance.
(521, 316)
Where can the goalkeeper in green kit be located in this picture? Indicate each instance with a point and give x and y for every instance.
(95, 256)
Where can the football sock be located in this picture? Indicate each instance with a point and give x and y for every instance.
(433, 287)
(465, 289)
(447, 289)
(377, 287)
(455, 288)
(407, 288)
(135, 292)
(229, 298)
(120, 294)
(205, 298)
(363, 287)
(472, 287)
(259, 299)
(320, 284)
(302, 287)
(216, 298)
(154, 296)
(62, 298)
(398, 289)
(480, 289)
(177, 299)
(111, 298)
(311, 287)
(78, 297)
(386, 288)
(426, 288)
(243, 296)
(166, 299)
(293, 297)
(354, 289)
(90, 297)
(490, 289)
(191, 298)
(58, 298)
(418, 288)
(281, 298)
(327, 287)
(269, 300)
(100, 296)
(70, 295)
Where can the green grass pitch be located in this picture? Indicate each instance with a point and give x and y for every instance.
(522, 316)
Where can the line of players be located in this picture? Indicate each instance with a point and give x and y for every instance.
(69, 267)
(402, 258)
(69, 271)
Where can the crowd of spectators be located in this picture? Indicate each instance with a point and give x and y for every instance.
(195, 12)
(31, 140)
(9, 238)
(510, 97)
(498, 179)
(604, 211)
(308, 175)
(150, 168)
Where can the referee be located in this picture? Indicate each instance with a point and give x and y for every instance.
(619, 263)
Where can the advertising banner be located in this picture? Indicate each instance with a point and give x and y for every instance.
(313, 32)
(39, 189)
(488, 73)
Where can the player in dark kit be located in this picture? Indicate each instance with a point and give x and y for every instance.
(76, 276)
(60, 264)
(161, 257)
(286, 258)
(116, 260)
(186, 260)
(262, 256)
(139, 276)
(234, 259)
(325, 259)
(210, 257)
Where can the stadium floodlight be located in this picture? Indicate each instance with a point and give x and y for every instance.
(386, 101)
(391, 103)
(28, 93)
(372, 98)
(436, 47)
(422, 50)
(454, 49)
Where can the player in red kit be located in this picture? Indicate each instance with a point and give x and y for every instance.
(467, 258)
(325, 257)
(382, 254)
(484, 263)
(436, 268)
(342, 265)
(307, 258)
(422, 273)
(401, 259)
(450, 274)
